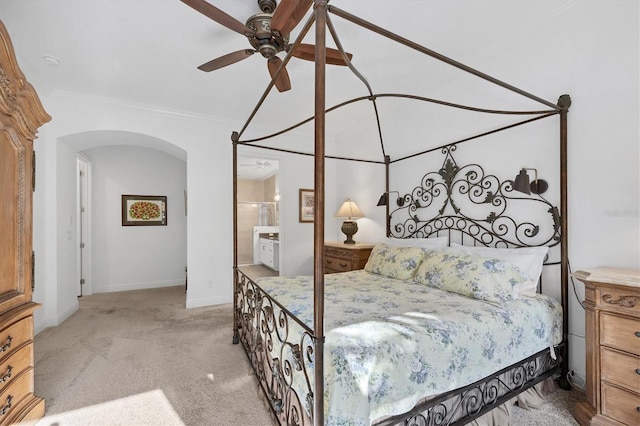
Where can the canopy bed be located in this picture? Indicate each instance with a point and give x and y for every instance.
(425, 334)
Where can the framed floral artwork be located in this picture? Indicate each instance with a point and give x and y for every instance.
(307, 205)
(144, 210)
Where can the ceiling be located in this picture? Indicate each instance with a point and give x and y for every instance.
(147, 51)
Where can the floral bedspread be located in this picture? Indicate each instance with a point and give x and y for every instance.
(390, 343)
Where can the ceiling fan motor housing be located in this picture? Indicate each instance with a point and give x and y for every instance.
(266, 42)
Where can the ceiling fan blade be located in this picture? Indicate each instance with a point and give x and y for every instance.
(219, 16)
(228, 59)
(308, 53)
(288, 14)
(282, 83)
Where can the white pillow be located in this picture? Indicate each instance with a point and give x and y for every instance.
(434, 242)
(529, 259)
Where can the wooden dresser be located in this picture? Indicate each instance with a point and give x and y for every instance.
(612, 323)
(21, 114)
(340, 257)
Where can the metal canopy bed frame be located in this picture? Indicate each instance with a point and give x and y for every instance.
(261, 322)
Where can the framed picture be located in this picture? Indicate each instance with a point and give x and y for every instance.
(144, 210)
(307, 205)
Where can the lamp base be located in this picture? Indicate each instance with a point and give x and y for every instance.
(349, 228)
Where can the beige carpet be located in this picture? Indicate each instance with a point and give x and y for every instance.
(140, 358)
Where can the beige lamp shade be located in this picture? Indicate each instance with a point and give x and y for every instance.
(349, 210)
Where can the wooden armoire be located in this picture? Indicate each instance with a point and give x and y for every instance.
(21, 114)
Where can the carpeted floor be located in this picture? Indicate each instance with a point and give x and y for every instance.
(140, 358)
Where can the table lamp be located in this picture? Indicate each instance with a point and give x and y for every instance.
(349, 211)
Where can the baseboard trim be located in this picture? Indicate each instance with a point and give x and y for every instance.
(205, 301)
(40, 325)
(98, 288)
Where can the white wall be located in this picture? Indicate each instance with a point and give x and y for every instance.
(136, 257)
(590, 51)
(81, 122)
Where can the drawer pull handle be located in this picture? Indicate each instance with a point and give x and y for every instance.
(637, 333)
(344, 265)
(6, 345)
(7, 375)
(329, 261)
(6, 406)
(638, 409)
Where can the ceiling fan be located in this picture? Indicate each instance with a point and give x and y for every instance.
(268, 34)
(259, 164)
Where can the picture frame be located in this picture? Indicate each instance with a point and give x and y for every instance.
(144, 210)
(307, 205)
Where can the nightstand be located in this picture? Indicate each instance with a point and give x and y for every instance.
(612, 325)
(340, 257)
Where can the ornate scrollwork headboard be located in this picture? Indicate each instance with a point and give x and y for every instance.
(469, 205)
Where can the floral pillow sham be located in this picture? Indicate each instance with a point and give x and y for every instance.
(491, 280)
(395, 262)
(529, 259)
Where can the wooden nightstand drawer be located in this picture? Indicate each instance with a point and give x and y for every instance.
(619, 299)
(620, 332)
(336, 264)
(621, 405)
(339, 257)
(620, 368)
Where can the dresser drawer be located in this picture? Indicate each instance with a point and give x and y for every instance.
(15, 335)
(336, 264)
(620, 332)
(16, 392)
(619, 299)
(621, 405)
(620, 368)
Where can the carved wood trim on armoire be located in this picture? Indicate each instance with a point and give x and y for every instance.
(21, 114)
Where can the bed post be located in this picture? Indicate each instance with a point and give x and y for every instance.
(387, 160)
(234, 139)
(320, 9)
(564, 102)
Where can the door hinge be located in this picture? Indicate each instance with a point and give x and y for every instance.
(81, 245)
(82, 281)
(33, 171)
(33, 270)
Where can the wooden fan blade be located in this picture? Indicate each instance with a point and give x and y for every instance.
(308, 53)
(282, 83)
(288, 14)
(228, 59)
(219, 16)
